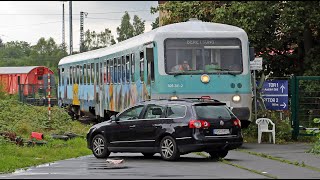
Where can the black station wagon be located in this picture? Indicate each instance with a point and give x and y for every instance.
(169, 127)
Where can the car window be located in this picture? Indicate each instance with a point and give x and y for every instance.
(176, 111)
(154, 111)
(212, 112)
(130, 114)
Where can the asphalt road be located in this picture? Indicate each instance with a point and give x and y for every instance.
(237, 164)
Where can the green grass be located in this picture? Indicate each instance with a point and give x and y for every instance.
(13, 157)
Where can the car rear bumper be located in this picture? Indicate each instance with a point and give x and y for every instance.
(209, 144)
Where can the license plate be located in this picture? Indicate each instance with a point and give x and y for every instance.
(221, 131)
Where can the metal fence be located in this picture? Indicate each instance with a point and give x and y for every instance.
(37, 94)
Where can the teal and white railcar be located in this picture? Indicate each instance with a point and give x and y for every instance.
(108, 80)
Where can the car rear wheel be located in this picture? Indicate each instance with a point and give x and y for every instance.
(148, 154)
(168, 149)
(99, 146)
(218, 154)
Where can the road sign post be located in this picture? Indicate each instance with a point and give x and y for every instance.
(256, 64)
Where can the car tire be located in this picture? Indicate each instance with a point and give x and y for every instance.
(169, 149)
(99, 146)
(218, 154)
(148, 155)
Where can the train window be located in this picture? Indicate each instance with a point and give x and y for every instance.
(141, 66)
(105, 72)
(92, 73)
(70, 75)
(115, 70)
(97, 74)
(127, 68)
(78, 74)
(81, 75)
(100, 74)
(123, 70)
(119, 70)
(108, 71)
(85, 74)
(150, 59)
(132, 67)
(88, 74)
(112, 71)
(61, 76)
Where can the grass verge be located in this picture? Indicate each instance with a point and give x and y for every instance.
(13, 157)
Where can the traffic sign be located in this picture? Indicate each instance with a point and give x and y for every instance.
(275, 87)
(256, 64)
(275, 94)
(276, 102)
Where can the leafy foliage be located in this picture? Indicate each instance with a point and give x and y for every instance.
(284, 33)
(93, 40)
(44, 53)
(127, 30)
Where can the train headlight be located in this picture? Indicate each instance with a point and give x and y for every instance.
(205, 78)
(236, 98)
(174, 97)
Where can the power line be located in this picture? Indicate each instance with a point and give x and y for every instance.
(68, 14)
(33, 24)
(114, 19)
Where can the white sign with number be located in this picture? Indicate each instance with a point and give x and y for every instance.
(256, 64)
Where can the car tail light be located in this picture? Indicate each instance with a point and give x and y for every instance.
(237, 122)
(199, 124)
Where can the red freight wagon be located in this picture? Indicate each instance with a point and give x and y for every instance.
(10, 77)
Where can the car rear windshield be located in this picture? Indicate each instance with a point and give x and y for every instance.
(207, 111)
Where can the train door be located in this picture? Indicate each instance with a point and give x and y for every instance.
(149, 69)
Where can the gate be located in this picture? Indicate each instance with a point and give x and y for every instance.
(305, 104)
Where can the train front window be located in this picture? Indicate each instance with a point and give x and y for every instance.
(196, 56)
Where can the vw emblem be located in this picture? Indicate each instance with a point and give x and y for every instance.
(221, 123)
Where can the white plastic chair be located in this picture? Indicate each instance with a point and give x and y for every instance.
(263, 127)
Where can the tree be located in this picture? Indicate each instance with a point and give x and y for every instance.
(155, 24)
(93, 40)
(138, 25)
(126, 30)
(284, 33)
(1, 43)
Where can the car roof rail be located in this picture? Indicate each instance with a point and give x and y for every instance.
(202, 99)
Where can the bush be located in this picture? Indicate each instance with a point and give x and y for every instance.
(24, 119)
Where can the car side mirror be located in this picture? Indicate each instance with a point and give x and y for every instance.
(113, 118)
(251, 53)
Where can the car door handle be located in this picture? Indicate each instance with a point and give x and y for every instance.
(132, 126)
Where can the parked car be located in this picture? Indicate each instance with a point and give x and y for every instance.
(169, 127)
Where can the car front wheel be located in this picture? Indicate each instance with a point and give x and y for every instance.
(168, 149)
(99, 146)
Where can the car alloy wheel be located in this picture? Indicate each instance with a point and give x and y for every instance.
(168, 149)
(99, 147)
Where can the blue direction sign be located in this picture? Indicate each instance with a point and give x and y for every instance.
(275, 94)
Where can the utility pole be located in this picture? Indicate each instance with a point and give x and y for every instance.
(70, 22)
(63, 29)
(81, 29)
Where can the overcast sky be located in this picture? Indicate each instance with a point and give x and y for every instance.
(30, 20)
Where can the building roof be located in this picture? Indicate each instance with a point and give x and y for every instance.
(17, 70)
